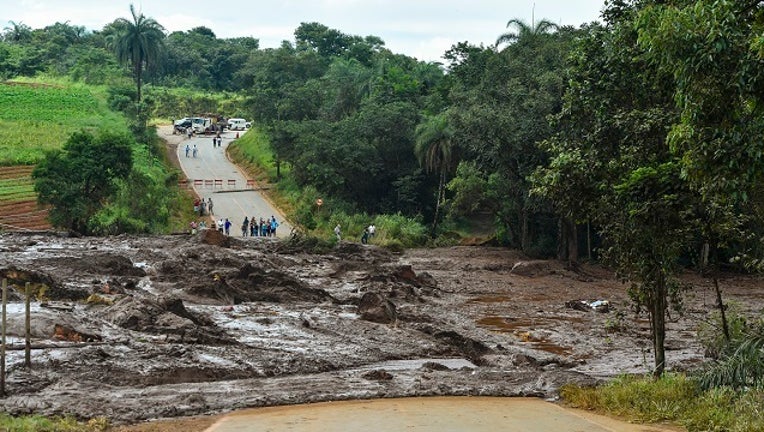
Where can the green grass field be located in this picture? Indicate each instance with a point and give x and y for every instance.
(35, 117)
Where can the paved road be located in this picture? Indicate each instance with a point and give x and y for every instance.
(436, 414)
(232, 199)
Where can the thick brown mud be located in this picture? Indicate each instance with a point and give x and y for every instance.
(139, 328)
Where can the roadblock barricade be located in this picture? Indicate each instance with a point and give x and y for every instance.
(218, 183)
(208, 183)
(231, 183)
(251, 184)
(183, 183)
(198, 182)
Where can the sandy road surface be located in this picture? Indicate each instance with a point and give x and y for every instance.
(231, 198)
(437, 414)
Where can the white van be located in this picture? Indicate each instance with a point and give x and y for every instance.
(237, 124)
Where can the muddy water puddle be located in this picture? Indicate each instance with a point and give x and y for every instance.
(522, 328)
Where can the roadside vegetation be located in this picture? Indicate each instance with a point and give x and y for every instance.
(673, 398)
(45, 424)
(254, 152)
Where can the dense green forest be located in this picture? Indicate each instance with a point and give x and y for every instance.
(636, 140)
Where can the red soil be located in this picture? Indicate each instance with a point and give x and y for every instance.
(25, 214)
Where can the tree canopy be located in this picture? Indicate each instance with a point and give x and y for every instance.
(137, 42)
(79, 180)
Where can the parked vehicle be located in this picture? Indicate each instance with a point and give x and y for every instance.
(238, 124)
(201, 125)
(181, 125)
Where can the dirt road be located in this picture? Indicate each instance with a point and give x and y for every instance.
(453, 414)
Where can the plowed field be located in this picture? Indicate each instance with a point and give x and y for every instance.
(18, 202)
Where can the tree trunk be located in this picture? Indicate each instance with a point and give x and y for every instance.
(138, 73)
(658, 324)
(524, 234)
(561, 239)
(572, 231)
(441, 186)
(722, 312)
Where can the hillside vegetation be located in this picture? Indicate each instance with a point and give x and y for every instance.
(36, 116)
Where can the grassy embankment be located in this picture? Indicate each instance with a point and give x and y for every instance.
(675, 398)
(36, 423)
(253, 152)
(37, 115)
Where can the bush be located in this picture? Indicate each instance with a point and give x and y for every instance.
(675, 398)
(38, 423)
(710, 332)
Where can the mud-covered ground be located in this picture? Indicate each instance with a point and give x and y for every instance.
(137, 328)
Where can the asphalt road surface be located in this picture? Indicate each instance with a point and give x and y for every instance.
(436, 414)
(231, 197)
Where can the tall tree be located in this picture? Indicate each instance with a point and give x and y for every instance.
(611, 159)
(17, 32)
(523, 31)
(137, 43)
(436, 152)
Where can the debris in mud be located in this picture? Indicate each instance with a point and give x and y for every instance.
(253, 282)
(472, 349)
(65, 333)
(378, 375)
(40, 283)
(531, 268)
(166, 316)
(214, 238)
(375, 308)
(435, 366)
(602, 306)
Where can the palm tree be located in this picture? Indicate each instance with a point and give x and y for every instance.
(523, 31)
(435, 150)
(137, 43)
(17, 32)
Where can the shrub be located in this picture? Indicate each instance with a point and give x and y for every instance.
(675, 398)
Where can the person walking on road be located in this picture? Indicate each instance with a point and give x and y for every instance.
(188, 149)
(227, 227)
(209, 206)
(195, 150)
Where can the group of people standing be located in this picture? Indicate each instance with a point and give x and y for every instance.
(202, 207)
(190, 150)
(217, 141)
(368, 233)
(263, 228)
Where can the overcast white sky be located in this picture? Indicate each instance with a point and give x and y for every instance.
(424, 29)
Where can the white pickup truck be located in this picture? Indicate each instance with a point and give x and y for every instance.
(238, 124)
